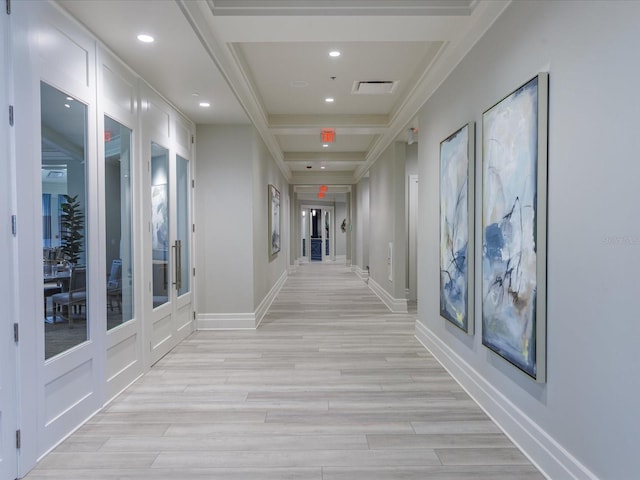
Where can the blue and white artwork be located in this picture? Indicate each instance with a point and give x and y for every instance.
(456, 169)
(509, 227)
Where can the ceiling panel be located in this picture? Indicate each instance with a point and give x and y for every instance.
(266, 62)
(176, 64)
(295, 78)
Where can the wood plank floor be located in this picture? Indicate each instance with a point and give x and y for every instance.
(330, 387)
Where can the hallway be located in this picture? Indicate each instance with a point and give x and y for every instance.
(331, 386)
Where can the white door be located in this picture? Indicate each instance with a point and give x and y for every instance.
(170, 270)
(8, 421)
(61, 367)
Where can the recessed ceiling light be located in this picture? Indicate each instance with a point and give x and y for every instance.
(70, 99)
(195, 94)
(67, 105)
(325, 145)
(334, 53)
(322, 167)
(329, 100)
(144, 38)
(205, 104)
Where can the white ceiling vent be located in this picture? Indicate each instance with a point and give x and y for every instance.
(374, 87)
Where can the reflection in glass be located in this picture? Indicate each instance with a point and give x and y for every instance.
(182, 186)
(118, 226)
(326, 232)
(160, 223)
(64, 247)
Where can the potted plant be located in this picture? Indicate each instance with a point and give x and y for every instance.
(72, 222)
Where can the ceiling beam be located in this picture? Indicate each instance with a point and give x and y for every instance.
(342, 7)
(327, 157)
(196, 14)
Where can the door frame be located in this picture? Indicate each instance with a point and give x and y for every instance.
(332, 231)
(9, 348)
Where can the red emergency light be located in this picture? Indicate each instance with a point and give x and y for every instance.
(328, 135)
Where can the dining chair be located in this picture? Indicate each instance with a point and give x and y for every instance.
(74, 298)
(114, 285)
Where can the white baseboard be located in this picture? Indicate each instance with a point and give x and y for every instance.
(551, 458)
(396, 305)
(240, 321)
(362, 274)
(261, 311)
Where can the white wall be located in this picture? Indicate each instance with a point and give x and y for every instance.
(360, 224)
(224, 223)
(341, 237)
(586, 414)
(387, 214)
(411, 161)
(267, 270)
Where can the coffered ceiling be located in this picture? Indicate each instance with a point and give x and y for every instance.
(267, 62)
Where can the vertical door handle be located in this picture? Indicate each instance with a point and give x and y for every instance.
(177, 263)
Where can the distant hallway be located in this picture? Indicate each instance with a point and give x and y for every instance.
(332, 386)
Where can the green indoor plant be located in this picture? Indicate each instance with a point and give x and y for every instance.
(72, 222)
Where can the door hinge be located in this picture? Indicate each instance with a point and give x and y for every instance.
(193, 183)
(8, 7)
(18, 439)
(16, 332)
(14, 225)
(194, 315)
(11, 115)
(193, 228)
(193, 139)
(194, 271)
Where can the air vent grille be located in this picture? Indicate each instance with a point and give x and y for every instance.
(374, 87)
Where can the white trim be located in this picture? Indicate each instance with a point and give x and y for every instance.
(269, 298)
(396, 305)
(551, 458)
(362, 274)
(241, 321)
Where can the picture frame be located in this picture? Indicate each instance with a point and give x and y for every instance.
(274, 220)
(514, 227)
(457, 224)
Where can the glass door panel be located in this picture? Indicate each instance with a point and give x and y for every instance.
(160, 224)
(183, 255)
(327, 238)
(118, 222)
(64, 207)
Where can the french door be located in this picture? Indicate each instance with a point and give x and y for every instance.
(169, 264)
(318, 229)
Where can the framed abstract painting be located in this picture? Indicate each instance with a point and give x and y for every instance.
(457, 227)
(514, 233)
(274, 220)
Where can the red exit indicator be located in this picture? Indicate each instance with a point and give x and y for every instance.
(328, 135)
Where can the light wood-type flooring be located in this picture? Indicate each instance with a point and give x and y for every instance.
(331, 386)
